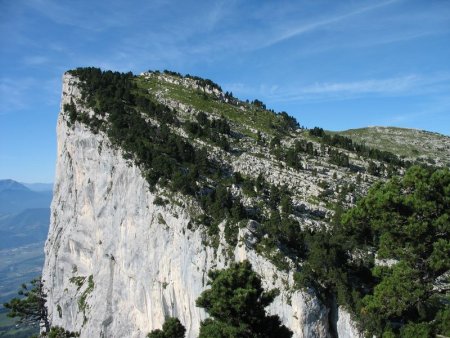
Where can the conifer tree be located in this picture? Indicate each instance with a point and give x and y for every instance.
(236, 304)
(30, 308)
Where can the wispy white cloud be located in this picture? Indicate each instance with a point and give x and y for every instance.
(35, 60)
(216, 14)
(434, 108)
(12, 93)
(213, 32)
(345, 27)
(412, 84)
(17, 94)
(402, 118)
(94, 16)
(308, 27)
(371, 86)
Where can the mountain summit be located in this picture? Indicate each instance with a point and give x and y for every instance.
(16, 197)
(12, 185)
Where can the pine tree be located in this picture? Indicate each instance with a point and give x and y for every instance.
(236, 303)
(30, 308)
(172, 328)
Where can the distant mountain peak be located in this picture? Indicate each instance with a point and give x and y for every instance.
(12, 185)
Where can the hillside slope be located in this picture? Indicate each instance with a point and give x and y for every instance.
(162, 177)
(425, 146)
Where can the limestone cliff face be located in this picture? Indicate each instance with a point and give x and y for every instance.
(117, 263)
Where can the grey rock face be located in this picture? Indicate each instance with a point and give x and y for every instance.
(117, 264)
(346, 328)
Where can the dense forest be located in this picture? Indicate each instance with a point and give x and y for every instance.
(387, 259)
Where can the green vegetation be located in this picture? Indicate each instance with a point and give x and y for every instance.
(172, 328)
(30, 308)
(236, 304)
(82, 300)
(347, 143)
(338, 158)
(255, 115)
(78, 281)
(406, 221)
(409, 143)
(59, 332)
(201, 82)
(82, 304)
(215, 131)
(165, 158)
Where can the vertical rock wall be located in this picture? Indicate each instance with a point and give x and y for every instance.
(117, 264)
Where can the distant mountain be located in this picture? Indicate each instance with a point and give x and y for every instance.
(15, 197)
(24, 221)
(39, 187)
(11, 185)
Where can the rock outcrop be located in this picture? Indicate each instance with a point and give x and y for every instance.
(117, 262)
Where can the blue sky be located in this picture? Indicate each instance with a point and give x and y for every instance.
(335, 64)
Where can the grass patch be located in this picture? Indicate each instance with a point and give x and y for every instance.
(250, 116)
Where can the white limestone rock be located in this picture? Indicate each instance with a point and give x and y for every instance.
(346, 327)
(117, 264)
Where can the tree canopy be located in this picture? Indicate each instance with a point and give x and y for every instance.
(236, 303)
(407, 221)
(30, 308)
(172, 328)
(388, 258)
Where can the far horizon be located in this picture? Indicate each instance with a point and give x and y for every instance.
(336, 65)
(26, 183)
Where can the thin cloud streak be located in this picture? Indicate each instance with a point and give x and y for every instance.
(296, 31)
(12, 94)
(20, 94)
(437, 107)
(102, 15)
(35, 60)
(396, 86)
(372, 86)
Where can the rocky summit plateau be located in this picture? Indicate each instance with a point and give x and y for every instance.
(161, 178)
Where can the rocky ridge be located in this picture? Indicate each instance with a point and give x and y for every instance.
(425, 146)
(123, 254)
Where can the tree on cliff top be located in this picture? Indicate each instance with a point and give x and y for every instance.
(236, 303)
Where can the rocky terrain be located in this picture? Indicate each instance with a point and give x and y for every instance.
(131, 243)
(425, 146)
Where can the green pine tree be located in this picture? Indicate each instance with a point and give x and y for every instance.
(172, 328)
(236, 304)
